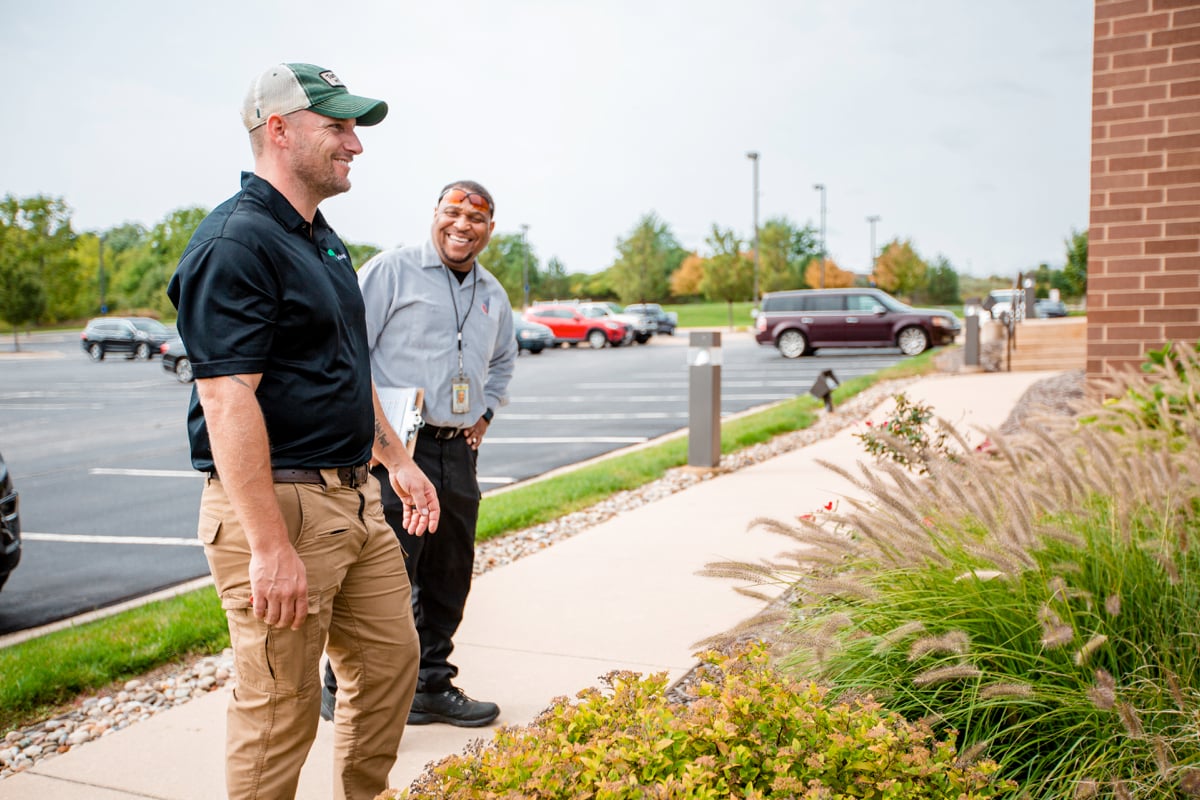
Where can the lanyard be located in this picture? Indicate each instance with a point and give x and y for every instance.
(460, 324)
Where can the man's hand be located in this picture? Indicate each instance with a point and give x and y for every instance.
(279, 587)
(421, 508)
(475, 433)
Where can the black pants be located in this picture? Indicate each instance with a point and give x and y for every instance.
(439, 564)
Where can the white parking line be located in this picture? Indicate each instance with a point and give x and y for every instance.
(147, 473)
(566, 439)
(72, 538)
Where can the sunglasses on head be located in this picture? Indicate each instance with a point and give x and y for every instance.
(455, 196)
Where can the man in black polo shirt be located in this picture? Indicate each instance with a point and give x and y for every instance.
(284, 419)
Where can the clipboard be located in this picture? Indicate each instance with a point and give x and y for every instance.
(402, 407)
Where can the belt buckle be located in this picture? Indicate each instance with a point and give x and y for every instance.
(353, 477)
(447, 433)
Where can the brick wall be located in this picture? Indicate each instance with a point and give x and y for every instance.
(1144, 232)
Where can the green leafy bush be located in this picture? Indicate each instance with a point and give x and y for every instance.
(906, 436)
(745, 732)
(1041, 598)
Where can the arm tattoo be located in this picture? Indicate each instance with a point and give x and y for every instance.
(238, 379)
(380, 436)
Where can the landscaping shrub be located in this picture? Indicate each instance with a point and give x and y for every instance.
(746, 731)
(1041, 598)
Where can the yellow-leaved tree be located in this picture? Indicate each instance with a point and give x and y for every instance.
(899, 270)
(835, 276)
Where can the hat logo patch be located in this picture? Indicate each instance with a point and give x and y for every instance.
(331, 79)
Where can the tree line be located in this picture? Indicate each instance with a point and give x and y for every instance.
(51, 274)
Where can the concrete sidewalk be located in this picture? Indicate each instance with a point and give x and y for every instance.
(624, 594)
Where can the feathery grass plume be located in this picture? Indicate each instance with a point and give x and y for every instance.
(1103, 693)
(1169, 567)
(1163, 758)
(1173, 688)
(836, 623)
(845, 587)
(937, 675)
(1189, 781)
(956, 643)
(1121, 790)
(994, 691)
(1112, 604)
(1087, 789)
(981, 575)
(1085, 652)
(898, 634)
(1055, 632)
(972, 754)
(757, 573)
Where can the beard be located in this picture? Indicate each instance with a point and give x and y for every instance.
(318, 172)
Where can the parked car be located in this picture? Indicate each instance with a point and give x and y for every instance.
(1004, 301)
(532, 336)
(175, 360)
(664, 321)
(136, 337)
(10, 525)
(638, 328)
(571, 326)
(1043, 309)
(800, 322)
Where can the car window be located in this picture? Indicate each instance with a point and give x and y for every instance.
(864, 303)
(826, 302)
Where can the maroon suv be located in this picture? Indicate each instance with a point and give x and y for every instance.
(571, 326)
(802, 321)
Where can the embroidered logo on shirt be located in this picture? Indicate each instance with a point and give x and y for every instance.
(483, 306)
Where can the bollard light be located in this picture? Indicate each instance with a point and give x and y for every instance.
(823, 387)
(704, 398)
(972, 309)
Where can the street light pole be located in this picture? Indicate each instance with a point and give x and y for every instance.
(525, 263)
(820, 187)
(753, 156)
(873, 219)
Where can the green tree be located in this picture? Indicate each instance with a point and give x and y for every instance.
(728, 274)
(361, 253)
(142, 280)
(46, 244)
(645, 261)
(899, 270)
(555, 283)
(1075, 272)
(22, 299)
(941, 286)
(784, 250)
(508, 256)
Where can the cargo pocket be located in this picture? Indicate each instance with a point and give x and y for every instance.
(208, 529)
(278, 661)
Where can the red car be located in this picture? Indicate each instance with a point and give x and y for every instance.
(571, 326)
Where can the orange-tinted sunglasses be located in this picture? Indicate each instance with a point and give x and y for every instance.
(455, 196)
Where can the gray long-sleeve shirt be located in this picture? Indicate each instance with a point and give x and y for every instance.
(412, 331)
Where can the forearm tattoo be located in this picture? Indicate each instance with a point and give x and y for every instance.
(381, 436)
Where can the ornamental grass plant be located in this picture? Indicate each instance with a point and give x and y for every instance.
(1039, 596)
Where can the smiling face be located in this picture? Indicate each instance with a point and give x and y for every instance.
(460, 232)
(321, 152)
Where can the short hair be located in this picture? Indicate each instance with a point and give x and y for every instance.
(471, 186)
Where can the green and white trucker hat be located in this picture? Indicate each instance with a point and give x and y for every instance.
(285, 88)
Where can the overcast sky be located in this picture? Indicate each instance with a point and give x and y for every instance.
(963, 125)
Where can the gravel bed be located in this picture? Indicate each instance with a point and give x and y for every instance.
(93, 717)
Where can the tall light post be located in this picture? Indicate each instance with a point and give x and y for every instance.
(753, 156)
(820, 187)
(873, 219)
(525, 262)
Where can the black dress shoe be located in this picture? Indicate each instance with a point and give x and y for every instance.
(452, 707)
(328, 700)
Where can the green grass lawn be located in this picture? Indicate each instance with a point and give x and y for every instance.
(712, 315)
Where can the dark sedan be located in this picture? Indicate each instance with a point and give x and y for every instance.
(175, 360)
(10, 525)
(136, 337)
(531, 336)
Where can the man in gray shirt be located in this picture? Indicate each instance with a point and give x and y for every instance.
(439, 321)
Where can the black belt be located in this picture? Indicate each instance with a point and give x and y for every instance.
(441, 433)
(352, 477)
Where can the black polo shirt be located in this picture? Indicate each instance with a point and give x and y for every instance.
(259, 291)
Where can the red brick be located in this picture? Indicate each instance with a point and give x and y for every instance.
(1099, 166)
(1161, 315)
(1134, 333)
(1140, 197)
(1132, 180)
(1189, 228)
(1185, 298)
(1128, 214)
(1148, 127)
(1173, 177)
(1119, 44)
(1185, 88)
(1174, 108)
(1164, 246)
(1150, 22)
(1175, 36)
(1178, 333)
(1120, 113)
(1171, 280)
(1126, 232)
(1131, 163)
(1188, 17)
(1174, 211)
(1100, 317)
(1127, 265)
(1139, 94)
(1182, 264)
(1181, 142)
(1166, 5)
(1110, 249)
(1129, 77)
(1125, 8)
(1113, 348)
(1177, 71)
(1122, 148)
(1101, 29)
(1141, 58)
(1183, 194)
(1100, 64)
(1099, 99)
(1114, 283)
(1185, 52)
(1188, 158)
(1099, 132)
(1182, 124)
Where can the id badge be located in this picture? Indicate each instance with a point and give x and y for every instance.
(459, 392)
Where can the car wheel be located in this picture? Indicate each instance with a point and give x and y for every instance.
(96, 351)
(912, 341)
(642, 339)
(142, 352)
(792, 344)
(183, 370)
(535, 350)
(596, 339)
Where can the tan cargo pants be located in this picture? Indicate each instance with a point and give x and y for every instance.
(360, 612)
